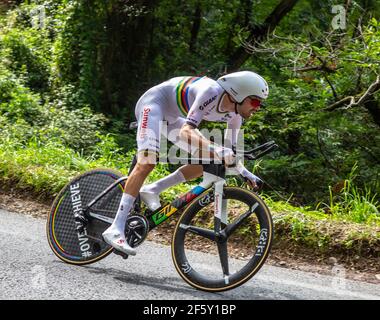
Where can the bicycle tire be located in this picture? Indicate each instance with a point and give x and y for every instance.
(260, 251)
(65, 241)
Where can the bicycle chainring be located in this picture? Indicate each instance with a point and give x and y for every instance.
(137, 228)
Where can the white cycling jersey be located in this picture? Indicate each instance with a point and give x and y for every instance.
(181, 100)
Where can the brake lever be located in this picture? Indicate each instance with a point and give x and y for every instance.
(249, 157)
(261, 154)
(261, 147)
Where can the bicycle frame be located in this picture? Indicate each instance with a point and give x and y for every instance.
(213, 175)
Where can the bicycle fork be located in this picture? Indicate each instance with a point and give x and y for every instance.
(220, 218)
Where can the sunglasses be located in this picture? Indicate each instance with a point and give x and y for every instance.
(255, 102)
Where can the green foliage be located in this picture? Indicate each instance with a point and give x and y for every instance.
(354, 204)
(19, 107)
(76, 51)
(302, 226)
(16, 101)
(26, 50)
(319, 147)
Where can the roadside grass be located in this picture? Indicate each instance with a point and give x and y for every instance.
(351, 203)
(44, 168)
(325, 233)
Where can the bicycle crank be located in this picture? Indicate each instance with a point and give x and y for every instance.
(137, 228)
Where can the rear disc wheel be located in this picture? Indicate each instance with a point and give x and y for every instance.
(85, 246)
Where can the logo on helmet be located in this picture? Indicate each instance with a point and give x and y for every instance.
(233, 92)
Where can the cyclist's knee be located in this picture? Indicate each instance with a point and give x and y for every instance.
(143, 168)
(147, 158)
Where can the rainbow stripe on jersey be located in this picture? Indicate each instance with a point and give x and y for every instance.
(182, 93)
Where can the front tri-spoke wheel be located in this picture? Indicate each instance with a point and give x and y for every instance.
(215, 256)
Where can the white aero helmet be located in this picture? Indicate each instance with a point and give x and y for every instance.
(243, 84)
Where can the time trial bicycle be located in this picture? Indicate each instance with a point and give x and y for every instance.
(232, 224)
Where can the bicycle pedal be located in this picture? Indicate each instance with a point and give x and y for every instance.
(122, 254)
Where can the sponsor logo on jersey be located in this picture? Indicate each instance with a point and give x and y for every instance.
(191, 120)
(144, 122)
(204, 105)
(226, 118)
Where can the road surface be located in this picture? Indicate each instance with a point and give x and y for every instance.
(30, 270)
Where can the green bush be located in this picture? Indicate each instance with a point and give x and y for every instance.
(26, 53)
(352, 203)
(17, 101)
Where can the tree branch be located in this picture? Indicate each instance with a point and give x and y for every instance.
(323, 67)
(319, 140)
(356, 100)
(370, 91)
(258, 33)
(331, 86)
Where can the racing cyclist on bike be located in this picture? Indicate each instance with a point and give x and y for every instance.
(184, 102)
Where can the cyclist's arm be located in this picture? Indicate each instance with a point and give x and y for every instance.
(190, 135)
(232, 132)
(196, 113)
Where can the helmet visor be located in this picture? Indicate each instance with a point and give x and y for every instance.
(255, 102)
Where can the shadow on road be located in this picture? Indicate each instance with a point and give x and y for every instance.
(170, 284)
(175, 284)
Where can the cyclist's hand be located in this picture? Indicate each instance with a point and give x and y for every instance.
(225, 154)
(254, 181)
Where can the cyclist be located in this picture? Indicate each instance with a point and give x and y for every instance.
(184, 102)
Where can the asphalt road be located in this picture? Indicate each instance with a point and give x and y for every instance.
(29, 270)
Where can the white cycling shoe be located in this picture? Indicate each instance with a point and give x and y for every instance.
(115, 239)
(151, 199)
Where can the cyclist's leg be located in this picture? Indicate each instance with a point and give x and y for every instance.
(150, 193)
(191, 171)
(149, 118)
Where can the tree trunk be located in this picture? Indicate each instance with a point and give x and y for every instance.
(373, 107)
(293, 141)
(247, 6)
(258, 33)
(196, 26)
(124, 57)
